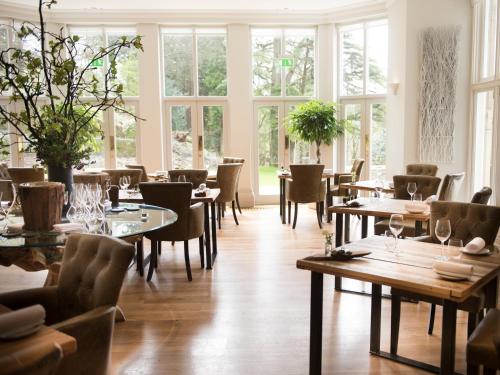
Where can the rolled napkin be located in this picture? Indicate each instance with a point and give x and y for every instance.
(475, 245)
(431, 198)
(415, 206)
(23, 319)
(453, 268)
(68, 227)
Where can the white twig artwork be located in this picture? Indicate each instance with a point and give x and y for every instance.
(438, 79)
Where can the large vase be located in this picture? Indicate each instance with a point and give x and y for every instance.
(42, 204)
(64, 175)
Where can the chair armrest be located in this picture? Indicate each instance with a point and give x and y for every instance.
(47, 297)
(196, 220)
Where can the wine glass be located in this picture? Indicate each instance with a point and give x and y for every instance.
(182, 178)
(396, 224)
(379, 187)
(443, 232)
(455, 246)
(411, 189)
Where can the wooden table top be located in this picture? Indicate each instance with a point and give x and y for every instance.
(45, 334)
(381, 208)
(326, 174)
(136, 197)
(411, 271)
(368, 185)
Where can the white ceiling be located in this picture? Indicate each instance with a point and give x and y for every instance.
(199, 5)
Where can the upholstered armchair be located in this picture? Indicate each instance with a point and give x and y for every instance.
(144, 175)
(195, 176)
(482, 196)
(341, 178)
(226, 181)
(450, 186)
(190, 223)
(468, 220)
(483, 346)
(116, 174)
(232, 160)
(426, 185)
(83, 303)
(421, 169)
(306, 186)
(38, 359)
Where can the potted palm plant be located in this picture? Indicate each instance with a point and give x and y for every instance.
(56, 90)
(315, 122)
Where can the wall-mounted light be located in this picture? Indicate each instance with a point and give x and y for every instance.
(394, 86)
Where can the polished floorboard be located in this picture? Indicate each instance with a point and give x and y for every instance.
(250, 314)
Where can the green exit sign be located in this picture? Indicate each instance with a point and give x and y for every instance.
(97, 63)
(286, 62)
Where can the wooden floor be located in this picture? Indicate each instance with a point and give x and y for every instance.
(250, 314)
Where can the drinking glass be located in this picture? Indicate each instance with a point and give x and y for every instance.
(443, 232)
(182, 178)
(417, 197)
(390, 241)
(379, 187)
(396, 224)
(411, 189)
(455, 246)
(126, 182)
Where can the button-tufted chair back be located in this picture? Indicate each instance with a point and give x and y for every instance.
(306, 185)
(468, 220)
(426, 185)
(115, 174)
(144, 175)
(227, 180)
(482, 196)
(232, 160)
(421, 169)
(451, 185)
(21, 175)
(195, 176)
(92, 272)
(357, 167)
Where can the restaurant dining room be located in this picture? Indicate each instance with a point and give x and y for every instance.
(249, 188)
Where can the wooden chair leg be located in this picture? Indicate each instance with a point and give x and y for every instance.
(395, 321)
(159, 247)
(234, 213)
(202, 252)
(219, 214)
(186, 260)
(431, 319)
(173, 243)
(289, 211)
(153, 261)
(295, 215)
(238, 202)
(318, 215)
(223, 209)
(472, 322)
(140, 257)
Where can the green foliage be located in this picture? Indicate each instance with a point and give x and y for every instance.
(64, 131)
(315, 121)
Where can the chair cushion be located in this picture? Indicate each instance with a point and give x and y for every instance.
(481, 347)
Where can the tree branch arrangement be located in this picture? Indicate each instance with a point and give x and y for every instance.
(58, 92)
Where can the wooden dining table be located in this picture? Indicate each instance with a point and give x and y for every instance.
(209, 213)
(368, 185)
(410, 271)
(8, 349)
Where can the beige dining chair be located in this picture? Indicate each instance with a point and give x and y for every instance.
(342, 178)
(144, 175)
(421, 169)
(116, 174)
(483, 345)
(195, 176)
(450, 186)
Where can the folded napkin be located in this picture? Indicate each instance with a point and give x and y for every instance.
(68, 227)
(476, 245)
(415, 206)
(455, 268)
(15, 227)
(17, 320)
(431, 198)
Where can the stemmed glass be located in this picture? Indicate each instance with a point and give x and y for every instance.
(443, 232)
(379, 187)
(396, 224)
(411, 189)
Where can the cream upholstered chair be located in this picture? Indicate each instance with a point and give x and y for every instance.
(195, 176)
(144, 175)
(450, 186)
(468, 220)
(226, 181)
(190, 223)
(232, 160)
(421, 169)
(342, 178)
(306, 186)
(83, 303)
(38, 359)
(115, 174)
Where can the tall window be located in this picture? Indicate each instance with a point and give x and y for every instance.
(484, 150)
(363, 57)
(120, 132)
(195, 89)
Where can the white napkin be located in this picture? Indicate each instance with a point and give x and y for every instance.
(415, 206)
(17, 320)
(431, 199)
(455, 268)
(68, 227)
(475, 245)
(15, 227)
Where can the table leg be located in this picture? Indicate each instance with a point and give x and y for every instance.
(214, 231)
(347, 228)
(448, 337)
(376, 314)
(338, 242)
(283, 199)
(418, 228)
(364, 226)
(316, 325)
(208, 247)
(329, 200)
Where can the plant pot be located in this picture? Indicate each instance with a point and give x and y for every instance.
(42, 204)
(64, 175)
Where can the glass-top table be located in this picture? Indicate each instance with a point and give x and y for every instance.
(136, 219)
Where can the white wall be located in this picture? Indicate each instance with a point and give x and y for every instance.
(407, 18)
